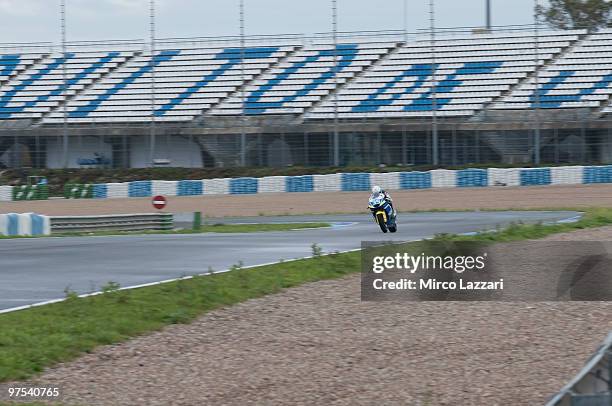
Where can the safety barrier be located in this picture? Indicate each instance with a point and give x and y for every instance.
(76, 191)
(339, 182)
(19, 193)
(351, 182)
(6, 193)
(38, 192)
(28, 224)
(123, 222)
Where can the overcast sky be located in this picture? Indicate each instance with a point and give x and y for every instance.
(38, 20)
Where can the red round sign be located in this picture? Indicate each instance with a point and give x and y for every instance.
(159, 202)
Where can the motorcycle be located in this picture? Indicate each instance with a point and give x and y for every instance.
(383, 213)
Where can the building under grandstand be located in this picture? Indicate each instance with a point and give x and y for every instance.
(280, 101)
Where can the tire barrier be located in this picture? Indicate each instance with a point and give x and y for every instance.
(6, 193)
(352, 182)
(28, 224)
(76, 191)
(39, 192)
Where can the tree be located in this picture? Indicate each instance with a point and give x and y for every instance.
(572, 14)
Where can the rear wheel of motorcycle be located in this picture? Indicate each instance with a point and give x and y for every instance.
(381, 222)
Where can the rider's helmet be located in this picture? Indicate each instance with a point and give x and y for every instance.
(376, 190)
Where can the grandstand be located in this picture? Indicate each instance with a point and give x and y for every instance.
(283, 96)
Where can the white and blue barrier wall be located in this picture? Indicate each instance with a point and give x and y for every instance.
(24, 192)
(6, 193)
(28, 224)
(352, 182)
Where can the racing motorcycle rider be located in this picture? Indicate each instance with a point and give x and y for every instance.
(376, 190)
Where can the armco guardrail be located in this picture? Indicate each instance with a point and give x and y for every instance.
(123, 222)
(350, 182)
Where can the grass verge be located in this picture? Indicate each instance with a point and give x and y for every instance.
(33, 339)
(205, 228)
(594, 217)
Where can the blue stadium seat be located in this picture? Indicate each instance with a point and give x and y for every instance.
(233, 56)
(84, 111)
(254, 106)
(8, 64)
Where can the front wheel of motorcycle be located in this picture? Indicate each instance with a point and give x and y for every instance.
(380, 219)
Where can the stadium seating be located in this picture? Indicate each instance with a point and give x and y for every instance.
(187, 82)
(13, 63)
(304, 78)
(470, 73)
(38, 89)
(579, 78)
(372, 79)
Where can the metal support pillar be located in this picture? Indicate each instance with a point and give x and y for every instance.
(336, 139)
(242, 88)
(537, 138)
(152, 129)
(434, 85)
(64, 87)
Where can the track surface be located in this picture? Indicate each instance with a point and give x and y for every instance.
(37, 270)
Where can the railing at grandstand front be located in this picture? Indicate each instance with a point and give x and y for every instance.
(108, 45)
(359, 36)
(233, 41)
(441, 32)
(26, 47)
(453, 32)
(290, 39)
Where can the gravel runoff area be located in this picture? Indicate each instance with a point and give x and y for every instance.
(320, 345)
(531, 197)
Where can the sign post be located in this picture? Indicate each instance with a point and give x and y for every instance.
(159, 202)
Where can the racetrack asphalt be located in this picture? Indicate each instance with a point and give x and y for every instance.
(40, 269)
